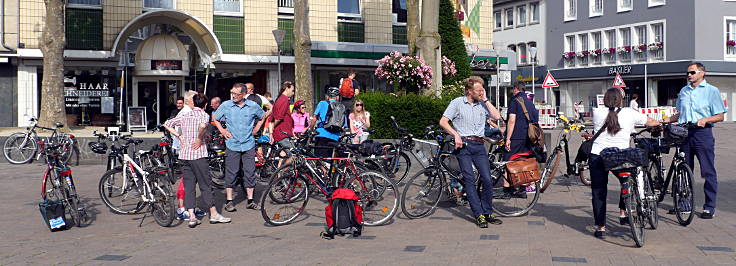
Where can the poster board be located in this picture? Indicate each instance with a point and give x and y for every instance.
(137, 119)
(107, 105)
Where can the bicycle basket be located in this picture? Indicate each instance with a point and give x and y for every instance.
(675, 134)
(617, 159)
(650, 145)
(98, 147)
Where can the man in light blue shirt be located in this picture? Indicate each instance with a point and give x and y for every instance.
(700, 103)
(243, 119)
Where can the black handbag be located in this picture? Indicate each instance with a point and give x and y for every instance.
(52, 212)
(587, 146)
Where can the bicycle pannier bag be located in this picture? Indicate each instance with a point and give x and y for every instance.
(52, 212)
(675, 133)
(617, 159)
(335, 119)
(523, 171)
(343, 214)
(534, 132)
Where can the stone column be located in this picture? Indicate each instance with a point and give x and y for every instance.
(429, 43)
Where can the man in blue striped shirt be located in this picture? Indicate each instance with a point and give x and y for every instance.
(700, 103)
(469, 114)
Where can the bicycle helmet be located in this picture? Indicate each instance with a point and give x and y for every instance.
(264, 139)
(333, 91)
(98, 147)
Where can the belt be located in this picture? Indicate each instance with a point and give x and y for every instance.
(474, 138)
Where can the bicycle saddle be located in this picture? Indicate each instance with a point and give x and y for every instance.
(59, 124)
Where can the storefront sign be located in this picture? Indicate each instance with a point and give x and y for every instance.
(625, 69)
(526, 79)
(85, 90)
(165, 64)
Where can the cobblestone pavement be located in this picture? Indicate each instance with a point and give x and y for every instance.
(557, 232)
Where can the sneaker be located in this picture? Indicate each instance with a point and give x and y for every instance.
(492, 219)
(184, 215)
(623, 220)
(481, 222)
(530, 189)
(707, 214)
(230, 207)
(194, 222)
(199, 213)
(219, 219)
(253, 206)
(600, 234)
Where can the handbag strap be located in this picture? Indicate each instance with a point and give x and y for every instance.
(603, 128)
(523, 106)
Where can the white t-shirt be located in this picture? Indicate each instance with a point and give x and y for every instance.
(627, 118)
(634, 105)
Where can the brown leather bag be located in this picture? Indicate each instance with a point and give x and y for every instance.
(523, 171)
(534, 132)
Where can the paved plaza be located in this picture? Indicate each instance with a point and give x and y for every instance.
(557, 232)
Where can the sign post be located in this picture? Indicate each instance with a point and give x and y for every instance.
(549, 82)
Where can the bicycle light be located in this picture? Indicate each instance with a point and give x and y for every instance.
(67, 172)
(71, 136)
(163, 144)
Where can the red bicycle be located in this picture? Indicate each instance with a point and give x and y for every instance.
(58, 182)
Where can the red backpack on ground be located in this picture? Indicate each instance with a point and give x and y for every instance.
(346, 88)
(343, 214)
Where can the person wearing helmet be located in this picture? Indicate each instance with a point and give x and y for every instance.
(324, 137)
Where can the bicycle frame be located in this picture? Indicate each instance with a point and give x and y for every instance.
(136, 170)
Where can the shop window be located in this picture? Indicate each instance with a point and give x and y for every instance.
(287, 25)
(83, 29)
(350, 32)
(229, 31)
(399, 35)
(228, 6)
(165, 4)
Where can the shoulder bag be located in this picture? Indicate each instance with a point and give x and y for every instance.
(534, 132)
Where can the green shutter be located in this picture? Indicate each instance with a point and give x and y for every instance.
(287, 25)
(350, 32)
(83, 29)
(399, 33)
(230, 33)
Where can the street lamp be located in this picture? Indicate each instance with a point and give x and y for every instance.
(496, 47)
(533, 54)
(278, 35)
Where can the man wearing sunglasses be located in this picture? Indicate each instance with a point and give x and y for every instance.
(700, 103)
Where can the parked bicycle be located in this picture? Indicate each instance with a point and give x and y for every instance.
(679, 173)
(639, 200)
(21, 147)
(579, 169)
(58, 182)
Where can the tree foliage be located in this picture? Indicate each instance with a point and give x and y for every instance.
(453, 45)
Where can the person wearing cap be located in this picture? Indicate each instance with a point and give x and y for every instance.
(324, 138)
(301, 117)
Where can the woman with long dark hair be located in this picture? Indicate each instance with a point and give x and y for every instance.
(618, 124)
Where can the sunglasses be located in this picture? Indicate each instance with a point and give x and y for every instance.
(302, 107)
(359, 104)
(693, 72)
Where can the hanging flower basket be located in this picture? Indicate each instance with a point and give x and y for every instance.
(596, 52)
(568, 55)
(410, 73)
(731, 43)
(624, 49)
(583, 53)
(640, 48)
(655, 46)
(609, 50)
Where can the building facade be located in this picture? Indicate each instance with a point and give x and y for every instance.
(648, 42)
(145, 53)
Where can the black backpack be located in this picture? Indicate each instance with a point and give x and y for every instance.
(335, 119)
(343, 214)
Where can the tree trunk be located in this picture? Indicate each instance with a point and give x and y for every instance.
(412, 24)
(52, 47)
(303, 54)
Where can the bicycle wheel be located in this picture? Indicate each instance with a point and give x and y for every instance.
(634, 208)
(378, 195)
(550, 169)
(217, 172)
(422, 193)
(121, 196)
(164, 208)
(69, 147)
(650, 202)
(19, 148)
(519, 203)
(399, 165)
(583, 172)
(286, 197)
(682, 194)
(49, 186)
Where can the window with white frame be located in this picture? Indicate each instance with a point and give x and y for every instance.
(165, 4)
(653, 3)
(228, 6)
(584, 51)
(532, 57)
(611, 45)
(571, 10)
(534, 12)
(625, 5)
(523, 54)
(640, 48)
(656, 47)
(625, 49)
(521, 12)
(730, 37)
(571, 49)
(597, 51)
(348, 7)
(509, 17)
(83, 3)
(596, 8)
(497, 20)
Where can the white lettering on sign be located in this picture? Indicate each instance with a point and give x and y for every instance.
(619, 70)
(81, 93)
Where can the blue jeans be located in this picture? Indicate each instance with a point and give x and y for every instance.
(474, 153)
(700, 143)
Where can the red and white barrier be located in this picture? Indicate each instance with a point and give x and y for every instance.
(547, 117)
(659, 112)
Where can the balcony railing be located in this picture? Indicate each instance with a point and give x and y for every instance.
(286, 3)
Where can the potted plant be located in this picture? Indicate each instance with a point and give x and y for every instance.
(583, 53)
(408, 73)
(568, 55)
(731, 43)
(640, 48)
(624, 49)
(609, 50)
(655, 46)
(596, 52)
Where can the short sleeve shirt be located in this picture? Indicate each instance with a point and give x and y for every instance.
(240, 121)
(321, 113)
(627, 118)
(521, 127)
(700, 102)
(281, 112)
(467, 118)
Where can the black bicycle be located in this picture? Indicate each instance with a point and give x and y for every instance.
(573, 168)
(679, 174)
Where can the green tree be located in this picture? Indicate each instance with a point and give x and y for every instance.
(453, 45)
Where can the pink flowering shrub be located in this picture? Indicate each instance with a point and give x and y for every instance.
(408, 73)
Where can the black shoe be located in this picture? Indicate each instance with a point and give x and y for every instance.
(706, 215)
(623, 220)
(492, 219)
(481, 222)
(230, 207)
(600, 234)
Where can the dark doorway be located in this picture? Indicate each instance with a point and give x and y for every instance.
(668, 89)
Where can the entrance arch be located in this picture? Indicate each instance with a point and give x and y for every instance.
(204, 38)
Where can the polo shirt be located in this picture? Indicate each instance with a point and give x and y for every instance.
(700, 102)
(240, 121)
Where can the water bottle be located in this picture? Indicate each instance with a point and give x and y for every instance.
(640, 183)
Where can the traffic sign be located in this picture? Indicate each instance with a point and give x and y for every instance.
(619, 82)
(549, 81)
